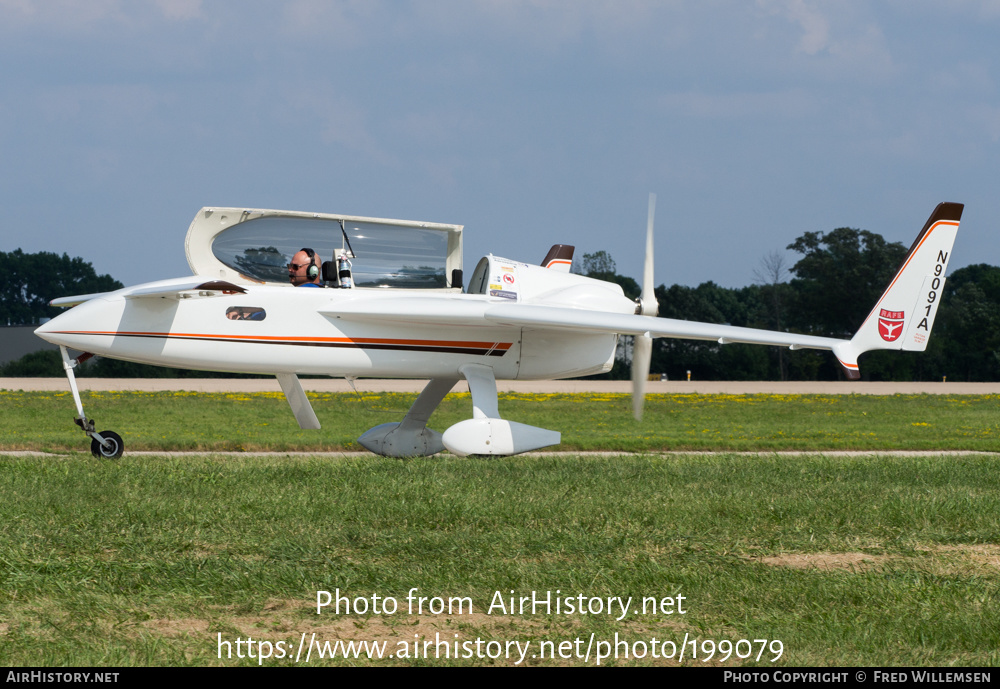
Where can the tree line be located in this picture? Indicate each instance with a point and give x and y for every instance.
(828, 292)
(28, 282)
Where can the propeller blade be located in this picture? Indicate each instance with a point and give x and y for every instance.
(642, 353)
(642, 350)
(648, 288)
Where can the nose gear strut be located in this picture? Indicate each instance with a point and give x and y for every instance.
(106, 444)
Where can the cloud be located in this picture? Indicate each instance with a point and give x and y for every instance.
(345, 24)
(780, 105)
(842, 39)
(330, 117)
(961, 79)
(813, 23)
(545, 25)
(553, 22)
(97, 107)
(182, 10)
(81, 16)
(60, 14)
(988, 118)
(986, 9)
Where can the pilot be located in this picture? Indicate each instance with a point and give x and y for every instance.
(245, 313)
(304, 270)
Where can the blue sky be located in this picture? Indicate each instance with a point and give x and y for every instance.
(530, 122)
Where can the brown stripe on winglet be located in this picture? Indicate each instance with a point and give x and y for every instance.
(222, 286)
(558, 252)
(949, 211)
(944, 211)
(850, 373)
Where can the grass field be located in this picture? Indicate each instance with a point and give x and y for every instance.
(263, 421)
(153, 560)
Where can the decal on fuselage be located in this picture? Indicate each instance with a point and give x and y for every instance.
(503, 280)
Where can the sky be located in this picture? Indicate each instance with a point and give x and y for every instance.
(530, 122)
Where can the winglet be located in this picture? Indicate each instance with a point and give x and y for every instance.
(560, 257)
(904, 315)
(847, 357)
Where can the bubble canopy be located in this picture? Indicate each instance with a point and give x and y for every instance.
(254, 246)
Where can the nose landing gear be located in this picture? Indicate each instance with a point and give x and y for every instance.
(113, 447)
(103, 445)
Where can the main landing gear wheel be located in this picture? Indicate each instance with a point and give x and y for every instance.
(114, 448)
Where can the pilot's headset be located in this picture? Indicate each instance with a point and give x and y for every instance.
(312, 272)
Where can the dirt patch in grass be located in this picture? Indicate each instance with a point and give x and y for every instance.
(957, 559)
(982, 555)
(826, 562)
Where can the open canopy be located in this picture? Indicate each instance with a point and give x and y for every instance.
(255, 246)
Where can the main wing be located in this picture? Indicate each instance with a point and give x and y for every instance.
(462, 311)
(538, 316)
(562, 318)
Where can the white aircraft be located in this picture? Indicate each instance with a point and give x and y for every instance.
(398, 311)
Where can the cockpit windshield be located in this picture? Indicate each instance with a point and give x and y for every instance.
(258, 246)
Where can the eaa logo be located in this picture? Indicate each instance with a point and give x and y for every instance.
(890, 324)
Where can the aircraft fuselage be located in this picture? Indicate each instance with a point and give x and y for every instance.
(271, 329)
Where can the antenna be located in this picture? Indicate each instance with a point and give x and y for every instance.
(347, 241)
(344, 277)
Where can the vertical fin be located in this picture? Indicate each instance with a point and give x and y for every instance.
(560, 257)
(904, 315)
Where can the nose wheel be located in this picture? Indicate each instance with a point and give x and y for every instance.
(112, 449)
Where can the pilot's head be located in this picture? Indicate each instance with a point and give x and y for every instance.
(304, 268)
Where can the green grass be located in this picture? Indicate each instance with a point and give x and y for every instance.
(145, 560)
(868, 560)
(262, 421)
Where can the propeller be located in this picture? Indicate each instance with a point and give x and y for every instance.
(642, 350)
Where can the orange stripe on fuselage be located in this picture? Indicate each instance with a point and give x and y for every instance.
(282, 338)
(279, 339)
